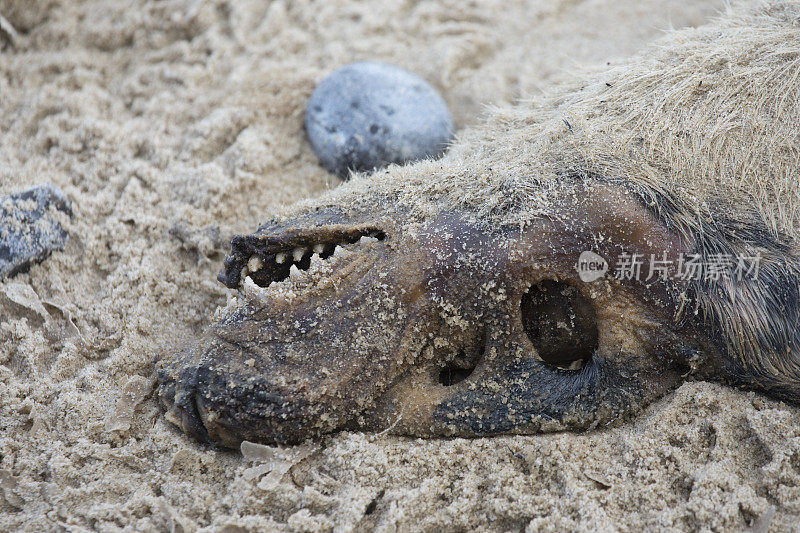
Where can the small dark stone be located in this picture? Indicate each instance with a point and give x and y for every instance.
(28, 229)
(367, 115)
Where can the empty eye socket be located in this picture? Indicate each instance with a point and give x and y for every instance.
(560, 323)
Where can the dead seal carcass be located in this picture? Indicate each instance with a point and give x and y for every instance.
(564, 264)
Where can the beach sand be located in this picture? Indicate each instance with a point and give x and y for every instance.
(172, 125)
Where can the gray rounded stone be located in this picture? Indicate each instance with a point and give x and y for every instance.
(367, 115)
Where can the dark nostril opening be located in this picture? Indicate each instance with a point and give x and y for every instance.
(450, 375)
(457, 370)
(560, 323)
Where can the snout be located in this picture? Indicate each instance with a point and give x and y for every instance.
(215, 404)
(328, 312)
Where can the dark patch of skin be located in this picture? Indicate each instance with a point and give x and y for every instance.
(535, 393)
(365, 346)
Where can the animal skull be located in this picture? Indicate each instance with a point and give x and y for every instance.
(437, 326)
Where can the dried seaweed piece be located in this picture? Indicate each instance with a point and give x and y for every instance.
(275, 462)
(136, 389)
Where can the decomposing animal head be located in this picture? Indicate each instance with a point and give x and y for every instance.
(435, 326)
(538, 278)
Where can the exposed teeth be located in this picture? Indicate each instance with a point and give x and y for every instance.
(254, 264)
(310, 256)
(366, 239)
(249, 287)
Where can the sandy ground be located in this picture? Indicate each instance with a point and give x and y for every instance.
(172, 125)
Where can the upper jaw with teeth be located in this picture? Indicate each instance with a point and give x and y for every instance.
(265, 259)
